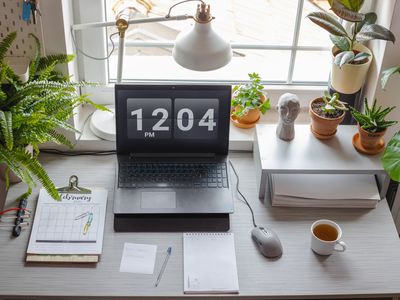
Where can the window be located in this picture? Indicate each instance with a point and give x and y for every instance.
(270, 37)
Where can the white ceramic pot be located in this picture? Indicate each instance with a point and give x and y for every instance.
(350, 78)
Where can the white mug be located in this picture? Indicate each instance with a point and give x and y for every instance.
(325, 237)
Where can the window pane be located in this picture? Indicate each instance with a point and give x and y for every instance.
(272, 65)
(310, 33)
(312, 66)
(255, 21)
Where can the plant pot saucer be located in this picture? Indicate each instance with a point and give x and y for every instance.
(321, 136)
(359, 147)
(237, 123)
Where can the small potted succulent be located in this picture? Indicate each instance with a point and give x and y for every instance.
(351, 59)
(326, 113)
(248, 101)
(372, 127)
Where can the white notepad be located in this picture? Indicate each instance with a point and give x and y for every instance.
(209, 263)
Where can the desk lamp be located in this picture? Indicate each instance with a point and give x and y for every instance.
(198, 49)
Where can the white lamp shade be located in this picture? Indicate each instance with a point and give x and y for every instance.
(201, 49)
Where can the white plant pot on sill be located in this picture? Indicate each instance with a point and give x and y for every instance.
(350, 78)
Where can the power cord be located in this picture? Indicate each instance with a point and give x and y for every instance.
(240, 193)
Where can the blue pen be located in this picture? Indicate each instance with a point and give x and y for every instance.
(169, 250)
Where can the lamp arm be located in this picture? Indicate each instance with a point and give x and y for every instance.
(78, 27)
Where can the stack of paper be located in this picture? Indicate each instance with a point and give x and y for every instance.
(209, 263)
(324, 190)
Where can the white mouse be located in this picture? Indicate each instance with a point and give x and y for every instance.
(267, 242)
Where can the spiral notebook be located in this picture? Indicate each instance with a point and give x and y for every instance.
(209, 263)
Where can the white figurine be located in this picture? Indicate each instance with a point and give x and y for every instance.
(288, 108)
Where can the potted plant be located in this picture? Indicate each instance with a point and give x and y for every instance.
(391, 157)
(372, 127)
(351, 59)
(248, 101)
(32, 113)
(326, 113)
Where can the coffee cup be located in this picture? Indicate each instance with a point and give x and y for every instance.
(325, 237)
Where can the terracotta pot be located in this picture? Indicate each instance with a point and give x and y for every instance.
(350, 78)
(251, 117)
(11, 175)
(323, 128)
(370, 140)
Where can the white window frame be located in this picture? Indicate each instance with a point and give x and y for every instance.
(92, 70)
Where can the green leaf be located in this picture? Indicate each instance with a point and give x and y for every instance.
(327, 22)
(361, 55)
(265, 106)
(375, 32)
(35, 60)
(369, 18)
(6, 43)
(346, 14)
(391, 158)
(6, 129)
(386, 74)
(343, 58)
(341, 42)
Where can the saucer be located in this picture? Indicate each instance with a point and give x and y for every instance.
(236, 122)
(357, 144)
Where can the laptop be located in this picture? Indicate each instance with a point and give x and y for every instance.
(172, 146)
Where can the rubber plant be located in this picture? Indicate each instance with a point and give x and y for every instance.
(391, 157)
(363, 29)
(34, 112)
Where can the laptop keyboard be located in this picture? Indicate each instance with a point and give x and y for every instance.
(175, 175)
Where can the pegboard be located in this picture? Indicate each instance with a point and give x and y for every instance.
(11, 20)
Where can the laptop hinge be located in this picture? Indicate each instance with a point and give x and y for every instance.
(172, 155)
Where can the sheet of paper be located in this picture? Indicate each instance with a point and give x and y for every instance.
(73, 225)
(209, 263)
(326, 186)
(138, 258)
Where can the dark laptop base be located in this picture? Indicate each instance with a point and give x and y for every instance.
(171, 222)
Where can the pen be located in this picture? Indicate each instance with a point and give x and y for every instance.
(88, 223)
(163, 266)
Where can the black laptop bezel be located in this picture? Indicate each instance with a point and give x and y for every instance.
(126, 146)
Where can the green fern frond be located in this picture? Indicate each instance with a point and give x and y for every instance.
(56, 59)
(6, 129)
(33, 166)
(59, 138)
(6, 43)
(33, 66)
(45, 73)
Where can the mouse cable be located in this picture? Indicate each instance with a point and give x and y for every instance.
(240, 193)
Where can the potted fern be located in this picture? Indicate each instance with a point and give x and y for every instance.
(372, 127)
(351, 59)
(248, 102)
(326, 113)
(32, 113)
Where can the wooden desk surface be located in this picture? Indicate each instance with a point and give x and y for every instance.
(369, 268)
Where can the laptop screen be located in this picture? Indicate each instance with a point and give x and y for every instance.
(172, 118)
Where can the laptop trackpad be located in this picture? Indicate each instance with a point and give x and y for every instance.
(158, 200)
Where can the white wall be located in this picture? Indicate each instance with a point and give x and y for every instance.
(391, 95)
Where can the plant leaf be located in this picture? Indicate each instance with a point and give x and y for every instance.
(360, 56)
(387, 73)
(343, 58)
(346, 14)
(391, 158)
(369, 18)
(6, 43)
(6, 128)
(327, 22)
(375, 32)
(340, 41)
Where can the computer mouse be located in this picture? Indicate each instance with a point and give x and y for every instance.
(267, 242)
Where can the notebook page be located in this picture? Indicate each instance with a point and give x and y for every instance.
(210, 263)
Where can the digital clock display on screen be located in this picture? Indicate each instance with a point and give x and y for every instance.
(166, 118)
